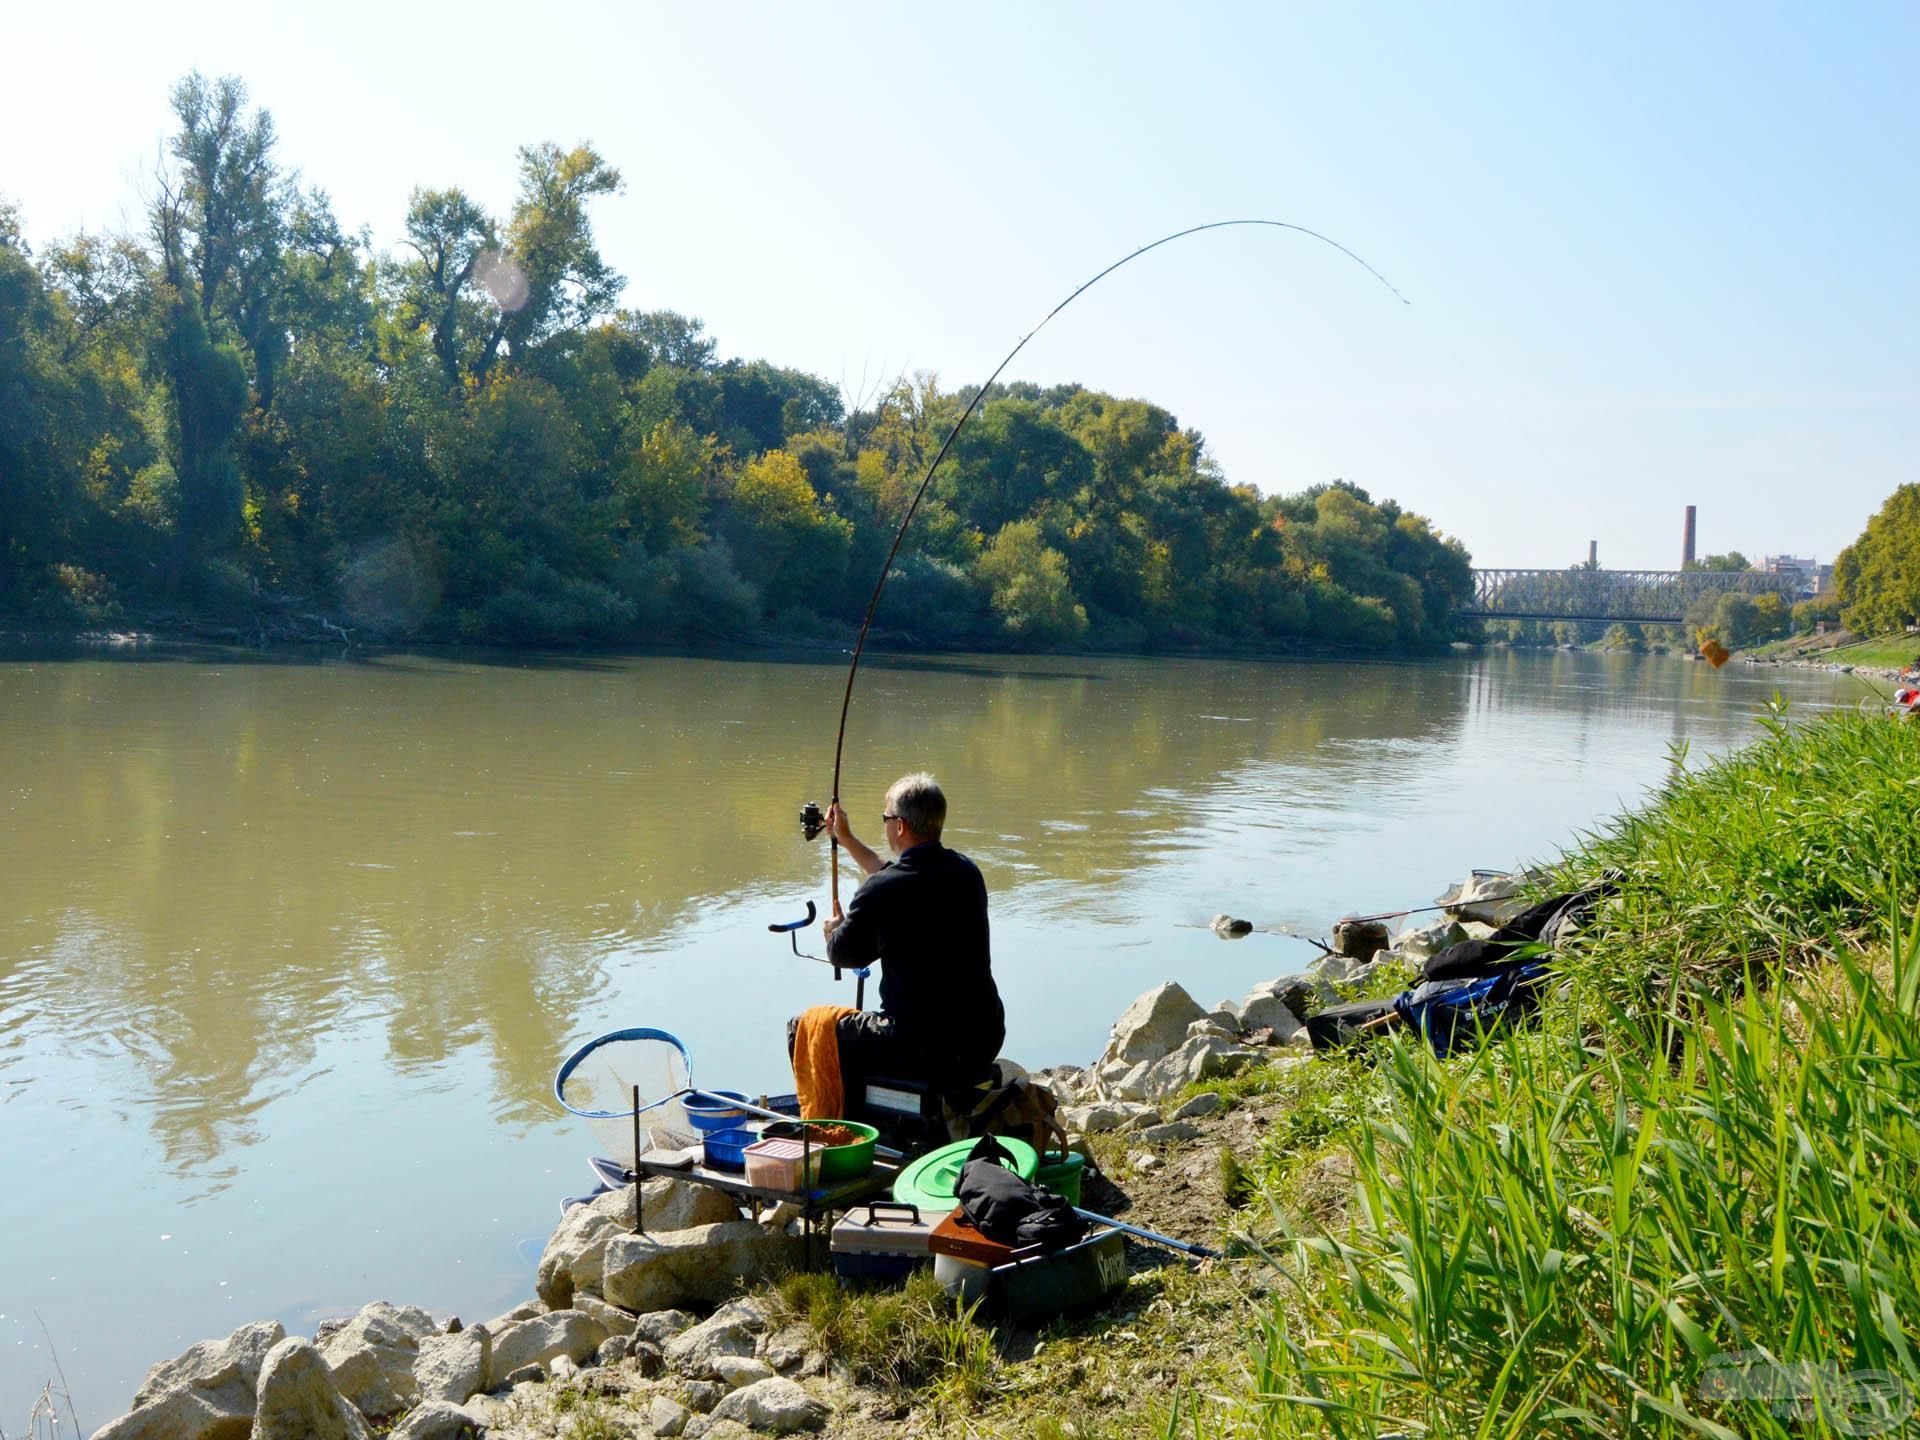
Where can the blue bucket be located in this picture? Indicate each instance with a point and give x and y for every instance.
(710, 1110)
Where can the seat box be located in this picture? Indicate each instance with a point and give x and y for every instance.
(881, 1242)
(1083, 1274)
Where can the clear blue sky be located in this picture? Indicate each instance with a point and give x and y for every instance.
(1657, 254)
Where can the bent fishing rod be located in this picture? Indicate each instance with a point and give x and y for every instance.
(812, 820)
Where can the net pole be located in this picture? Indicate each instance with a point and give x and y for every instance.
(638, 1222)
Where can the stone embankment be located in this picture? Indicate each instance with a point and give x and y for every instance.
(658, 1317)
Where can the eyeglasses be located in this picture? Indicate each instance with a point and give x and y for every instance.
(885, 816)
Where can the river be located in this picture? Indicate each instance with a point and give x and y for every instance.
(289, 950)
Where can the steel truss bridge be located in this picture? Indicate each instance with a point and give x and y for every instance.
(1639, 597)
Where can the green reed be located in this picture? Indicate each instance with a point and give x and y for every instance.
(1688, 1203)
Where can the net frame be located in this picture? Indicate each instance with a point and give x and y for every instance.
(616, 1128)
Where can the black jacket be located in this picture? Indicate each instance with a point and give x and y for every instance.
(924, 918)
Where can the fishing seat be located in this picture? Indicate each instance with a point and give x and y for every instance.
(916, 1114)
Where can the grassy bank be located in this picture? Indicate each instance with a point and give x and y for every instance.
(1687, 1204)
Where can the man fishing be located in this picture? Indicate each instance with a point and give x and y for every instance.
(923, 917)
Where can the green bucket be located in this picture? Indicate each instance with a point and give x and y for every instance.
(1062, 1176)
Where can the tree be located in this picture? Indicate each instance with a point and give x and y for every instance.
(1731, 562)
(1878, 576)
(670, 338)
(223, 218)
(432, 292)
(551, 278)
(1032, 593)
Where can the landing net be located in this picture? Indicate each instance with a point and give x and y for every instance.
(597, 1084)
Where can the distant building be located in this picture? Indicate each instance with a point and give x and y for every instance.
(1815, 578)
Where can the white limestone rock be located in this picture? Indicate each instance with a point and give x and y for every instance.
(372, 1357)
(205, 1393)
(773, 1407)
(571, 1333)
(1152, 1025)
(297, 1399)
(452, 1368)
(575, 1256)
(667, 1416)
(439, 1420)
(1204, 1104)
(700, 1265)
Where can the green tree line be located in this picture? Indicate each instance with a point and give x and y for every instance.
(247, 408)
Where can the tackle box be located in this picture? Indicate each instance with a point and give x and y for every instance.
(1085, 1273)
(880, 1242)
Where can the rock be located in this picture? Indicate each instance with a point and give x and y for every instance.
(1203, 1104)
(205, 1393)
(660, 1326)
(613, 1350)
(525, 1310)
(1152, 1025)
(438, 1420)
(612, 1318)
(703, 1395)
(1143, 1160)
(741, 1370)
(372, 1357)
(1270, 1012)
(667, 1416)
(1065, 1081)
(696, 1352)
(560, 1369)
(1207, 1025)
(787, 1349)
(571, 1333)
(700, 1265)
(1224, 1016)
(1420, 944)
(452, 1368)
(1202, 1058)
(705, 1427)
(1104, 1115)
(773, 1407)
(1228, 928)
(1338, 969)
(646, 1357)
(1360, 939)
(525, 1375)
(1170, 1133)
(297, 1400)
(575, 1256)
(1486, 897)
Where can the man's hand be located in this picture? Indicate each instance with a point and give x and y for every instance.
(832, 922)
(837, 825)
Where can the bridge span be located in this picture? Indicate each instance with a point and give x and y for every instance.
(1637, 597)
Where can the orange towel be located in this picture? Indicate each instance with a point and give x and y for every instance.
(816, 1063)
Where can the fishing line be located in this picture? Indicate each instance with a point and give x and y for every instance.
(860, 645)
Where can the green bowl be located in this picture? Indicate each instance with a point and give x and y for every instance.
(836, 1162)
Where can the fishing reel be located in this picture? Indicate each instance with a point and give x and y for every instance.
(812, 820)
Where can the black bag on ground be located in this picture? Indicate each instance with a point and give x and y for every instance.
(1003, 1207)
(1338, 1026)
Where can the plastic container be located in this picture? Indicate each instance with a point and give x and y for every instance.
(777, 1164)
(727, 1149)
(1062, 1176)
(839, 1162)
(962, 1242)
(709, 1111)
(962, 1279)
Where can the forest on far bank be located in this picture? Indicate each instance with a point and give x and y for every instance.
(244, 409)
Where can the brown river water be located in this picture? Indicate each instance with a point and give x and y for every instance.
(290, 950)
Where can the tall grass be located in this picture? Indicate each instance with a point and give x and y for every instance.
(1689, 1203)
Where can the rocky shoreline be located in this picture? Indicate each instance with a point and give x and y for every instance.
(659, 1318)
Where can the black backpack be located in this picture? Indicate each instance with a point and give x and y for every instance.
(1003, 1207)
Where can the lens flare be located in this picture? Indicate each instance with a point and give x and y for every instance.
(501, 278)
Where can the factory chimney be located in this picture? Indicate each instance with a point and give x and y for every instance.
(1686, 543)
(1593, 554)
